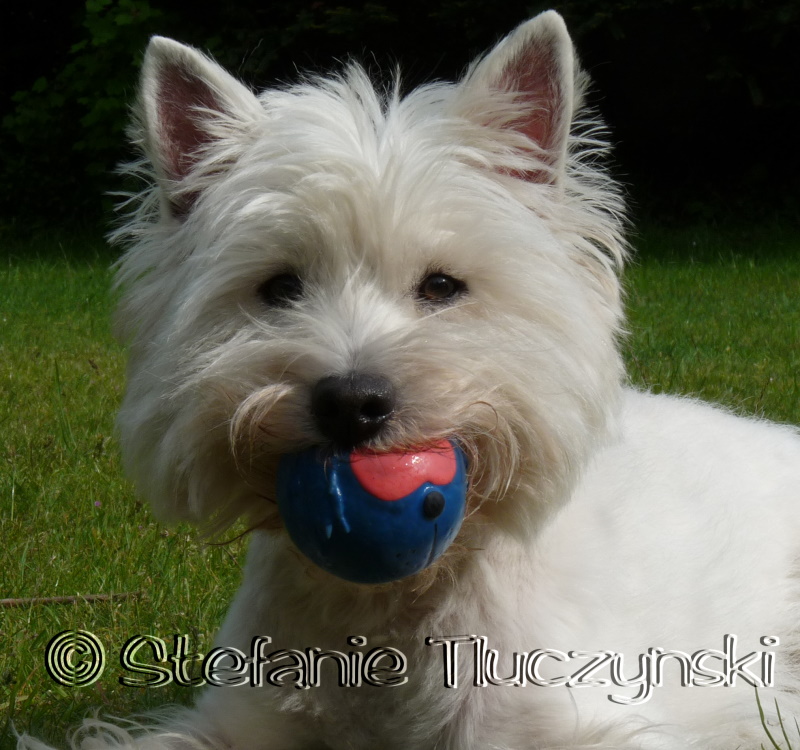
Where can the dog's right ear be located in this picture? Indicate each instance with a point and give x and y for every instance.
(535, 64)
(187, 104)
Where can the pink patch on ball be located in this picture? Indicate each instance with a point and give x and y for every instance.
(392, 476)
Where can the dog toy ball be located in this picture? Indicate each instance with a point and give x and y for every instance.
(372, 517)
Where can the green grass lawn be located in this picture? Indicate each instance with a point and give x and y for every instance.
(716, 315)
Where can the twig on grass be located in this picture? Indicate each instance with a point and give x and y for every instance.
(66, 599)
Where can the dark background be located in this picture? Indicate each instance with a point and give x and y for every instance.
(702, 97)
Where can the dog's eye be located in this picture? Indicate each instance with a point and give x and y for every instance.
(281, 290)
(439, 287)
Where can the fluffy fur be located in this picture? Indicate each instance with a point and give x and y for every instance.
(599, 518)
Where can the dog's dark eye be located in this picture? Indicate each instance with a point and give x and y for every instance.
(439, 287)
(281, 290)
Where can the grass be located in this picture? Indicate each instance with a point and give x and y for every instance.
(69, 523)
(714, 314)
(773, 742)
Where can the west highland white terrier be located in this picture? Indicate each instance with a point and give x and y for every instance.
(336, 272)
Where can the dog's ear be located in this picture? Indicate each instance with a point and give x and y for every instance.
(536, 65)
(186, 103)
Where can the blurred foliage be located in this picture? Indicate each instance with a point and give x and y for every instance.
(699, 92)
(63, 134)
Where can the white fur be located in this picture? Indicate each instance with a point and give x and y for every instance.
(600, 518)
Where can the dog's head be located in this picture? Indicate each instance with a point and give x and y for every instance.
(334, 264)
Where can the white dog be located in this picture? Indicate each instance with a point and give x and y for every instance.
(626, 575)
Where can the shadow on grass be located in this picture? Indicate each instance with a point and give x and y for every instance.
(770, 241)
(82, 245)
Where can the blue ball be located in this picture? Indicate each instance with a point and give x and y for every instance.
(347, 530)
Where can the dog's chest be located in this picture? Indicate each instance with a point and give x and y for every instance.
(419, 713)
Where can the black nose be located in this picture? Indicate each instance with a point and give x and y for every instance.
(350, 409)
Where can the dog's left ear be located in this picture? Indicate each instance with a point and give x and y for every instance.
(188, 104)
(536, 65)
